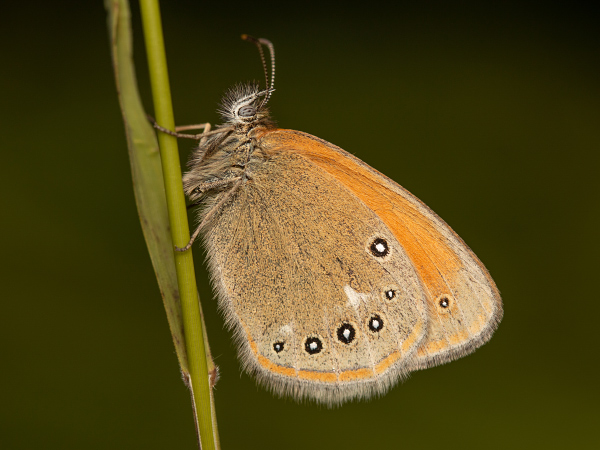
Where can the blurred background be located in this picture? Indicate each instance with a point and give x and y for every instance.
(489, 113)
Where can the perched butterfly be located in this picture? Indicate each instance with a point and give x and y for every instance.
(336, 281)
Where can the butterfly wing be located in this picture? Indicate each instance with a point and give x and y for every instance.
(463, 303)
(324, 301)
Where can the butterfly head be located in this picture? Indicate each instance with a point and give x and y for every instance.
(245, 104)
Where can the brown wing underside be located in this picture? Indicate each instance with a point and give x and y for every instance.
(289, 254)
(464, 305)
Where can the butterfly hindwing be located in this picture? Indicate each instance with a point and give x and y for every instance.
(464, 305)
(318, 311)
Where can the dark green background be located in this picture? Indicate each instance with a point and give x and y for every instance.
(489, 114)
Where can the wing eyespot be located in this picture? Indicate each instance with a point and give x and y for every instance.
(389, 294)
(379, 247)
(313, 345)
(375, 323)
(445, 302)
(346, 333)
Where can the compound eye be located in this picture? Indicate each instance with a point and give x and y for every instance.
(247, 111)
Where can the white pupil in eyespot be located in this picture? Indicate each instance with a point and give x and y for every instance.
(313, 345)
(375, 323)
(380, 247)
(346, 333)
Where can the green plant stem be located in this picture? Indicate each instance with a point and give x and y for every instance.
(196, 354)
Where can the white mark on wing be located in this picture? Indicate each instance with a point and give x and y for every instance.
(286, 329)
(354, 298)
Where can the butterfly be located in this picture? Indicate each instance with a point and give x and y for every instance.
(336, 281)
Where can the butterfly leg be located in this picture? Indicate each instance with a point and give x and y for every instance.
(198, 126)
(200, 189)
(211, 213)
(187, 127)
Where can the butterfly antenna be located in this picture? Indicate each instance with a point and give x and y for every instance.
(271, 87)
(259, 43)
